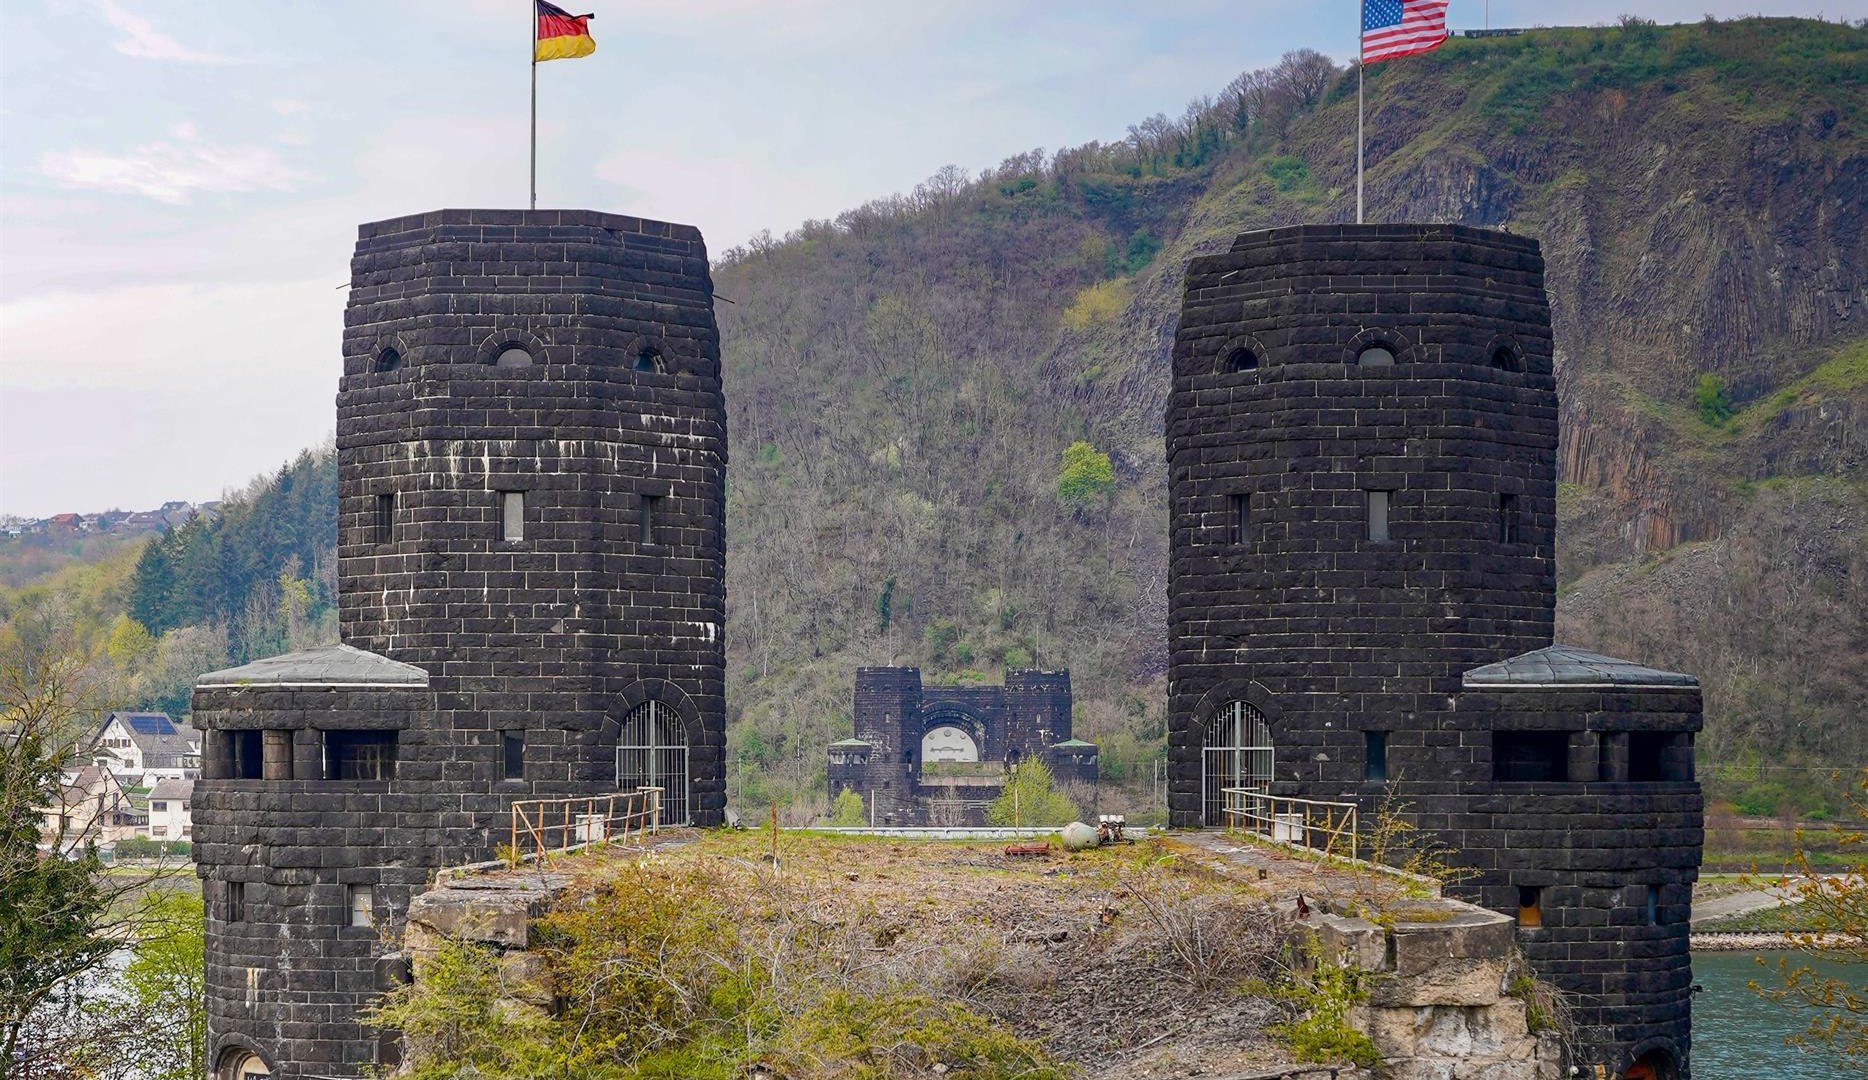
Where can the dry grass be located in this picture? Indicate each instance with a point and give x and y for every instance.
(1123, 962)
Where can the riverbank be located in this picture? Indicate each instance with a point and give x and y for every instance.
(1768, 940)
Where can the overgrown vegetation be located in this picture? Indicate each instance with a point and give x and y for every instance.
(703, 963)
(1318, 998)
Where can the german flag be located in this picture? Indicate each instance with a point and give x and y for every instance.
(561, 35)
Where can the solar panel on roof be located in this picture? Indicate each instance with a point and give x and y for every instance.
(152, 724)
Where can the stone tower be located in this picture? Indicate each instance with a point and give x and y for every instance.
(1362, 438)
(531, 446)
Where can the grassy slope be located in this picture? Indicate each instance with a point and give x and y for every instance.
(901, 387)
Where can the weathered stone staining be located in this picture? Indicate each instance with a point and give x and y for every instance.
(1362, 437)
(936, 755)
(531, 571)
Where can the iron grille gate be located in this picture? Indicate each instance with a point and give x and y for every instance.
(1238, 754)
(653, 752)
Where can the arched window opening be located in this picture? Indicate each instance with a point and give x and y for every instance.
(649, 359)
(388, 360)
(238, 1064)
(1653, 1065)
(1376, 356)
(1504, 358)
(513, 356)
(1239, 359)
(1238, 758)
(653, 752)
(948, 742)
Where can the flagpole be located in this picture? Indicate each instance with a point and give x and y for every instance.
(1362, 23)
(534, 58)
(1359, 69)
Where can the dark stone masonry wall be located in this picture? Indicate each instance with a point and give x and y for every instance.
(1356, 641)
(531, 439)
(1299, 612)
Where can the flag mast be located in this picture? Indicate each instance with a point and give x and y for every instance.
(1359, 69)
(532, 6)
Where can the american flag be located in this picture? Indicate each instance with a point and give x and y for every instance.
(1392, 28)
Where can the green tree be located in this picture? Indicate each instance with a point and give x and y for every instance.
(130, 645)
(1086, 476)
(1835, 905)
(885, 605)
(59, 916)
(1711, 399)
(847, 810)
(166, 994)
(1031, 798)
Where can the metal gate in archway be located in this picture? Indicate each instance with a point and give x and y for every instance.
(652, 751)
(1238, 754)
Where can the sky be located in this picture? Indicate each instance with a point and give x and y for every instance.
(180, 181)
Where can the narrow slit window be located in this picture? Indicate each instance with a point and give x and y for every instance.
(1653, 904)
(383, 522)
(1530, 906)
(236, 901)
(245, 760)
(512, 516)
(1378, 515)
(512, 745)
(360, 900)
(1508, 522)
(1375, 755)
(1239, 520)
(650, 510)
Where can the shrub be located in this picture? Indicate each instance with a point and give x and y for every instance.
(1100, 303)
(1031, 798)
(1086, 476)
(138, 847)
(848, 810)
(1288, 173)
(1709, 397)
(1318, 1030)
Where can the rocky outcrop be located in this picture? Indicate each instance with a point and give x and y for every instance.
(1439, 1000)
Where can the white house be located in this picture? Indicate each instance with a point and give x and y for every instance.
(147, 746)
(169, 815)
(92, 807)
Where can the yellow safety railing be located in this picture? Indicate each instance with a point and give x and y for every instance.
(542, 827)
(1318, 824)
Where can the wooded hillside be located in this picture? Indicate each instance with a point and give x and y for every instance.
(946, 406)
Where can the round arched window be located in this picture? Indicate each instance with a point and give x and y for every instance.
(239, 1064)
(649, 359)
(512, 356)
(388, 360)
(1376, 356)
(1505, 359)
(1239, 359)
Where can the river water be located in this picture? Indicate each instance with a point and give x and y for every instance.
(1738, 1035)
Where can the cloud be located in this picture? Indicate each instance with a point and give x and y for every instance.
(244, 373)
(145, 42)
(171, 171)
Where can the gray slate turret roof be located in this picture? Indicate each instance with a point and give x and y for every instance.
(1567, 665)
(326, 665)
